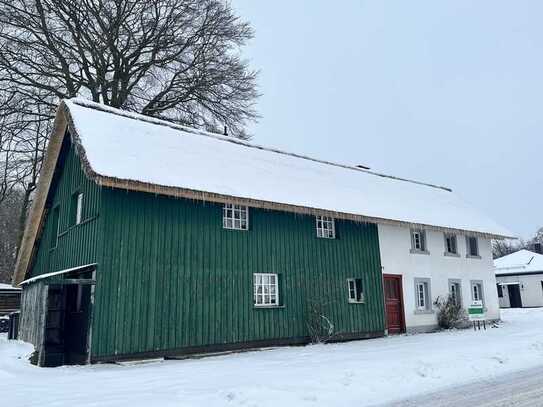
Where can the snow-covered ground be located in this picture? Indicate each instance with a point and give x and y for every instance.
(357, 373)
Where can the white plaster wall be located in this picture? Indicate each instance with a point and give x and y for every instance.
(531, 292)
(395, 246)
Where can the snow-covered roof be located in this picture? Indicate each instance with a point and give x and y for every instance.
(134, 147)
(521, 262)
(134, 152)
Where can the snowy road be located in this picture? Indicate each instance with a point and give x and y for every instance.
(361, 373)
(520, 389)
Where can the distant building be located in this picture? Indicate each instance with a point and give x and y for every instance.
(10, 299)
(519, 278)
(149, 239)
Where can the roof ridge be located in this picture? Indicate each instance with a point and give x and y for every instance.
(152, 120)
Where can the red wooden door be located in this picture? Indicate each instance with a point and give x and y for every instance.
(394, 303)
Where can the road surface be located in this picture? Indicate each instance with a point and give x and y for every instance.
(520, 389)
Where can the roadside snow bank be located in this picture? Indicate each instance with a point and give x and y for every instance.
(362, 373)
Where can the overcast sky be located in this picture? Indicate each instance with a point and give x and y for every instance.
(448, 92)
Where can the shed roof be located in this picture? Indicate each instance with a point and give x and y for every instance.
(135, 152)
(521, 262)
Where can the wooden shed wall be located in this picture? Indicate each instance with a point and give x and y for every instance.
(33, 313)
(171, 277)
(77, 244)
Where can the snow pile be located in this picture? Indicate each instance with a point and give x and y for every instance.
(131, 147)
(523, 261)
(361, 373)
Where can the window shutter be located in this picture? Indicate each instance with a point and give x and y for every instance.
(359, 291)
(280, 289)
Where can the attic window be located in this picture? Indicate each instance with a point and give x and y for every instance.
(76, 209)
(326, 227)
(235, 217)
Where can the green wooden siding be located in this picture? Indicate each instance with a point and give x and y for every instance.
(172, 277)
(76, 244)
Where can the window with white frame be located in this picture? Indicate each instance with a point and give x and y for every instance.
(455, 292)
(422, 294)
(450, 244)
(356, 291)
(418, 241)
(326, 227)
(235, 217)
(477, 293)
(266, 289)
(472, 246)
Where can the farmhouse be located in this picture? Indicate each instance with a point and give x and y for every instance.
(519, 277)
(151, 239)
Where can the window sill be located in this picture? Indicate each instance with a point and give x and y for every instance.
(356, 302)
(268, 306)
(469, 256)
(235, 229)
(448, 254)
(415, 251)
(424, 312)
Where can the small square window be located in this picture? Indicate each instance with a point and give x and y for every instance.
(266, 289)
(450, 244)
(356, 292)
(325, 227)
(235, 217)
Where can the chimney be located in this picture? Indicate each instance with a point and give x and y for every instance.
(537, 248)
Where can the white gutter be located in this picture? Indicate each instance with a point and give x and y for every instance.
(56, 273)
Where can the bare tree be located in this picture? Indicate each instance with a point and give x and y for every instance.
(175, 59)
(319, 324)
(502, 248)
(9, 218)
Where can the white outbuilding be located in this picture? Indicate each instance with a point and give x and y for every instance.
(519, 278)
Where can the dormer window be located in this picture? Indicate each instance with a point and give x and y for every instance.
(235, 217)
(326, 227)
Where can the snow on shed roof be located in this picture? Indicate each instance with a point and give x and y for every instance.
(4, 286)
(132, 147)
(521, 262)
